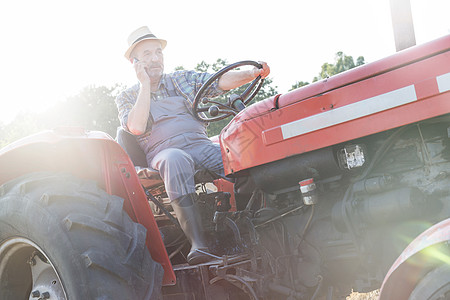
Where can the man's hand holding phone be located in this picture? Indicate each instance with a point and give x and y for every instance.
(141, 71)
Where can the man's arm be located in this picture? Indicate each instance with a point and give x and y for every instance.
(235, 79)
(138, 116)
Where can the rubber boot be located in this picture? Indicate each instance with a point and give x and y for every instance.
(189, 219)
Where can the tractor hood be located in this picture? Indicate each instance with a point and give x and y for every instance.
(406, 87)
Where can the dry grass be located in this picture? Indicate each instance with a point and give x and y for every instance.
(366, 296)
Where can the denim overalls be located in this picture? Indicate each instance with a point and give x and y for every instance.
(178, 145)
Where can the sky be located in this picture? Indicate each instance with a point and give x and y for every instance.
(51, 50)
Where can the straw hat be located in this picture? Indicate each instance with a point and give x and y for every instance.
(141, 34)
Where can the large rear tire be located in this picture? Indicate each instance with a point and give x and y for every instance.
(67, 238)
(434, 286)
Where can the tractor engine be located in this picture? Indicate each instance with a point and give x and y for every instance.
(366, 195)
(337, 217)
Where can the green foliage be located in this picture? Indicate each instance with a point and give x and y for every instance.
(266, 91)
(298, 84)
(202, 67)
(342, 63)
(360, 61)
(93, 109)
(219, 64)
(23, 125)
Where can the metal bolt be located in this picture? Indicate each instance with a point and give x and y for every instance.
(45, 295)
(35, 294)
(31, 261)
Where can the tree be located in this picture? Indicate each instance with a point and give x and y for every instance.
(93, 109)
(25, 123)
(342, 63)
(298, 84)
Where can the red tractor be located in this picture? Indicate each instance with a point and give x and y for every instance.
(337, 186)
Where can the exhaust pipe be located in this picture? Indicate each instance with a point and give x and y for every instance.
(402, 24)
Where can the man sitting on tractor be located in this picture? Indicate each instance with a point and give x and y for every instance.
(158, 111)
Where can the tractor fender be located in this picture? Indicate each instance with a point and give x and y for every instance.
(91, 155)
(427, 251)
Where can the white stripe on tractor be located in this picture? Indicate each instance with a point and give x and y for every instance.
(443, 82)
(350, 112)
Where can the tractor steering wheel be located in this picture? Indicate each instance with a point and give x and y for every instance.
(207, 110)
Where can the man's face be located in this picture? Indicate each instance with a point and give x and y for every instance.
(150, 52)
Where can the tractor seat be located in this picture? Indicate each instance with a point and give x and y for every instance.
(148, 176)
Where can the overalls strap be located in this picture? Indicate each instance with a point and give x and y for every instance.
(171, 90)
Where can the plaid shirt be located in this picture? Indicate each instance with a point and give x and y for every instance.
(186, 83)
